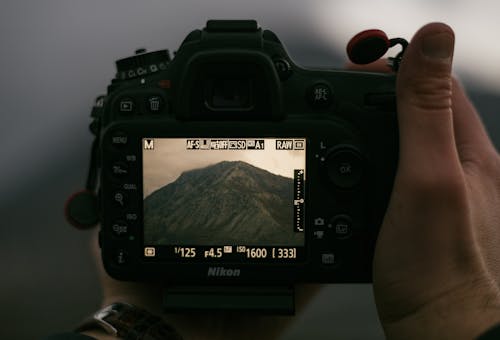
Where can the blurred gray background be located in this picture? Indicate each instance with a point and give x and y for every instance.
(57, 55)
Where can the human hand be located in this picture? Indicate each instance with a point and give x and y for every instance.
(196, 326)
(436, 269)
(436, 272)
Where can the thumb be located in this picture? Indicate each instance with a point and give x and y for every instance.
(424, 89)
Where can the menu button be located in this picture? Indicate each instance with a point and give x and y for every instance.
(119, 139)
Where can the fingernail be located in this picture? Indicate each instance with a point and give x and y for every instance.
(438, 46)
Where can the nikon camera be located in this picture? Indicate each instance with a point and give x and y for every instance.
(229, 165)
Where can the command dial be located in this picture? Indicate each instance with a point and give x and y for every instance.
(142, 64)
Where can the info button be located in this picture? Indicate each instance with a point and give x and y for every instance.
(121, 257)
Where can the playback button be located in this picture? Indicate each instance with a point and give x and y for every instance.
(125, 106)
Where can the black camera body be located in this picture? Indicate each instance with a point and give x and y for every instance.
(230, 165)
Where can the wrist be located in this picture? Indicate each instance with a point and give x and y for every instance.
(468, 326)
(457, 318)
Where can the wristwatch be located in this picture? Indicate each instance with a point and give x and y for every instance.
(129, 322)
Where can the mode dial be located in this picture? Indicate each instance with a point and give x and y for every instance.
(142, 64)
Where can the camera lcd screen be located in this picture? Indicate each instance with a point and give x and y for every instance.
(224, 198)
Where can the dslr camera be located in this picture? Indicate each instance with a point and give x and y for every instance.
(229, 167)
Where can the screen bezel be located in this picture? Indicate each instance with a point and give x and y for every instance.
(321, 135)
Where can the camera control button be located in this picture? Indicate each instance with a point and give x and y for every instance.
(120, 229)
(120, 199)
(344, 168)
(320, 96)
(125, 106)
(155, 104)
(121, 257)
(341, 226)
(328, 258)
(119, 169)
(119, 139)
